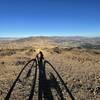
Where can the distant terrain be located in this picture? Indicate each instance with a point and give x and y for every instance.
(77, 59)
(63, 41)
(5, 39)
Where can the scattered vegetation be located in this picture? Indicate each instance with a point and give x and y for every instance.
(79, 66)
(57, 50)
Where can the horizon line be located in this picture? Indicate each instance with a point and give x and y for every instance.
(49, 36)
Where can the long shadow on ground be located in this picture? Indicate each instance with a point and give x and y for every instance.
(54, 84)
(11, 89)
(34, 83)
(44, 89)
(67, 90)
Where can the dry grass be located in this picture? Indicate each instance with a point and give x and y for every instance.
(79, 69)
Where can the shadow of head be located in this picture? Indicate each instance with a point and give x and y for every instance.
(40, 55)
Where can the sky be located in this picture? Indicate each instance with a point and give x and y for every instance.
(22, 18)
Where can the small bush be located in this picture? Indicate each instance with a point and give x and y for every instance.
(57, 50)
(20, 63)
(7, 52)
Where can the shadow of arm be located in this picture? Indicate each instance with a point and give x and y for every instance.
(67, 90)
(11, 89)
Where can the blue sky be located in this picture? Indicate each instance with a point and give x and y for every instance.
(22, 18)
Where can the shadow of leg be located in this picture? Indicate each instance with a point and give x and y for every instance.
(44, 89)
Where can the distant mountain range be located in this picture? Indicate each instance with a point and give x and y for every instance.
(7, 38)
(83, 42)
(52, 37)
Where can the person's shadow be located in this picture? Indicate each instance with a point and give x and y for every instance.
(44, 89)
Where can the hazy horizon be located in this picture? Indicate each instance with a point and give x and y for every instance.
(12, 37)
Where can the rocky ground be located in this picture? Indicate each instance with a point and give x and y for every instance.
(78, 67)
